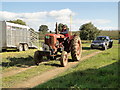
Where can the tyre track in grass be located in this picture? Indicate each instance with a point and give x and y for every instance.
(13, 72)
(32, 82)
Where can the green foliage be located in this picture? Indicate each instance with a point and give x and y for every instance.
(43, 28)
(60, 27)
(88, 31)
(18, 21)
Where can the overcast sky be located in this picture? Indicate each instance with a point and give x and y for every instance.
(103, 15)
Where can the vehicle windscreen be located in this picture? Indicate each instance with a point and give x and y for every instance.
(101, 38)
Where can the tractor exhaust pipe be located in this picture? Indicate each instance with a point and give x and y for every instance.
(56, 29)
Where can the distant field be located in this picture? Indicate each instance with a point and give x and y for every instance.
(112, 33)
(100, 71)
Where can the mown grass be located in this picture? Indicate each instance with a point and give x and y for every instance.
(25, 75)
(16, 60)
(100, 71)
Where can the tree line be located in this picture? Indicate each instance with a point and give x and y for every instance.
(87, 31)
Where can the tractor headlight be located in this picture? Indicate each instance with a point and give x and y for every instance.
(47, 37)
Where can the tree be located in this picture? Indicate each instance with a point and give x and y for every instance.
(18, 21)
(43, 28)
(60, 27)
(88, 31)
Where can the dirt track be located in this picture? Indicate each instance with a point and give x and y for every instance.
(49, 74)
(13, 72)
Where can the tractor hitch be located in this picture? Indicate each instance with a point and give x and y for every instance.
(45, 53)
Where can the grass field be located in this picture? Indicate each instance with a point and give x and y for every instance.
(20, 60)
(12, 61)
(100, 71)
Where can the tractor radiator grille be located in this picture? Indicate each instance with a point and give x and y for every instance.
(49, 41)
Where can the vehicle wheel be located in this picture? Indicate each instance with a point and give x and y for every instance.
(104, 47)
(20, 48)
(76, 48)
(64, 58)
(110, 44)
(91, 47)
(45, 47)
(38, 57)
(3, 50)
(25, 47)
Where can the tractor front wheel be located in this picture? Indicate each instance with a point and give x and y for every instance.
(64, 58)
(76, 48)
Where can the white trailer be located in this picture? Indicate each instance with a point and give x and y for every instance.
(15, 36)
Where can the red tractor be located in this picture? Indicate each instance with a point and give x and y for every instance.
(55, 43)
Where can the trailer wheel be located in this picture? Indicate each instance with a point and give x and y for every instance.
(20, 48)
(3, 50)
(64, 58)
(25, 47)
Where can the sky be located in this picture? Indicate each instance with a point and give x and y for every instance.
(104, 15)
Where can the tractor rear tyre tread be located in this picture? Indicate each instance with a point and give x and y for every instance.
(76, 48)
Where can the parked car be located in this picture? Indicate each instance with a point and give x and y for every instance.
(103, 42)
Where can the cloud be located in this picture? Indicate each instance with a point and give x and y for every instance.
(35, 19)
(101, 21)
(60, 13)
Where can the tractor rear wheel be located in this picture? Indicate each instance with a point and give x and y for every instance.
(64, 58)
(76, 48)
(37, 57)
